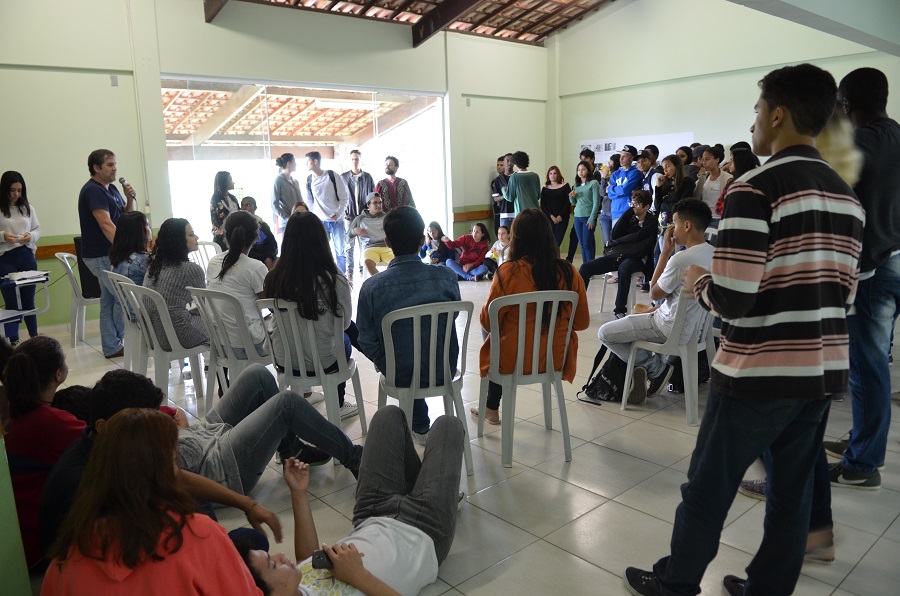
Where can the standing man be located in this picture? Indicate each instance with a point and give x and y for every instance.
(524, 188)
(653, 150)
(407, 281)
(327, 196)
(360, 184)
(497, 185)
(498, 191)
(783, 276)
(621, 182)
(394, 190)
(99, 208)
(863, 95)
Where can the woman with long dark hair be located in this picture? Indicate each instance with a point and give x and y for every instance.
(712, 180)
(470, 264)
(434, 248)
(19, 233)
(742, 161)
(605, 219)
(235, 273)
(132, 528)
(38, 433)
(170, 272)
(555, 202)
(533, 265)
(221, 205)
(586, 198)
(285, 190)
(129, 251)
(307, 274)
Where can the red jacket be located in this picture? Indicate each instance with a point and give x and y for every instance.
(472, 252)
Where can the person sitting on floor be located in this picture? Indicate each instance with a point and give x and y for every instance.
(404, 519)
(470, 264)
(691, 217)
(434, 249)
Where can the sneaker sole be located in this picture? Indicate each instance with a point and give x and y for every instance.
(638, 393)
(852, 484)
(664, 384)
(751, 494)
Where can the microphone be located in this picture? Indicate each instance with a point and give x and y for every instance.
(122, 181)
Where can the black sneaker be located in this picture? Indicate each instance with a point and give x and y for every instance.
(638, 393)
(641, 583)
(733, 585)
(657, 383)
(312, 456)
(836, 448)
(645, 288)
(847, 479)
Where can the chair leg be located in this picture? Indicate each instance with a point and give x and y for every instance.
(197, 374)
(382, 396)
(482, 404)
(82, 314)
(140, 356)
(548, 411)
(212, 370)
(161, 374)
(74, 322)
(332, 406)
(508, 421)
(629, 374)
(357, 390)
(563, 420)
(461, 413)
(691, 388)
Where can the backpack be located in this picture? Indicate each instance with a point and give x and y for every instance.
(609, 382)
(676, 381)
(309, 194)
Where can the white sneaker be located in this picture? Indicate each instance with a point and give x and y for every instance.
(460, 500)
(314, 397)
(420, 438)
(348, 410)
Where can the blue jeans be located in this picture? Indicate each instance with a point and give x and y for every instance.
(734, 432)
(18, 259)
(559, 230)
(261, 417)
(457, 268)
(605, 220)
(585, 239)
(335, 230)
(112, 322)
(877, 305)
(393, 482)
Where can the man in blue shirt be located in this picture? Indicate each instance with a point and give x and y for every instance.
(406, 282)
(99, 208)
(621, 182)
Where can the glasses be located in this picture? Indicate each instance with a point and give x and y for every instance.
(633, 204)
(376, 202)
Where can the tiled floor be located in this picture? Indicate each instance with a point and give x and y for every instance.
(547, 526)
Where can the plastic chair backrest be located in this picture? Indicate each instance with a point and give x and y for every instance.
(69, 263)
(524, 302)
(144, 301)
(291, 328)
(417, 314)
(205, 251)
(212, 303)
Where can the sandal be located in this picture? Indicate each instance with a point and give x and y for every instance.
(474, 412)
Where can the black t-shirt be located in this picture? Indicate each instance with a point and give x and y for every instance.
(60, 488)
(497, 185)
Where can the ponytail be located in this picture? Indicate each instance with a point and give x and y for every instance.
(30, 369)
(241, 231)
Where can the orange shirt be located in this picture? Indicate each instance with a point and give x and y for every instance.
(516, 277)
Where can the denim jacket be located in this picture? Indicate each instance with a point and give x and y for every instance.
(406, 282)
(134, 267)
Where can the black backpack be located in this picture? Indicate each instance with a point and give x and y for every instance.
(676, 381)
(609, 382)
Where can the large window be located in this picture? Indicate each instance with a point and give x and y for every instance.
(242, 128)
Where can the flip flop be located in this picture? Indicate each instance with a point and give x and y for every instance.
(474, 412)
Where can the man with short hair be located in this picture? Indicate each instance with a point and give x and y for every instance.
(394, 190)
(650, 176)
(621, 182)
(359, 184)
(863, 96)
(691, 217)
(504, 171)
(407, 281)
(653, 150)
(369, 227)
(115, 391)
(328, 196)
(524, 188)
(99, 208)
(692, 170)
(784, 273)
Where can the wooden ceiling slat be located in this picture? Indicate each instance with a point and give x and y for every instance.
(484, 19)
(575, 18)
(549, 15)
(190, 112)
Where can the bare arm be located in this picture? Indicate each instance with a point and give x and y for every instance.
(306, 540)
(665, 253)
(348, 567)
(130, 194)
(106, 225)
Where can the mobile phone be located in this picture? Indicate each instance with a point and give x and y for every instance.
(320, 560)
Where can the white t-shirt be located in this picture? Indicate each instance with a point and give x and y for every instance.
(711, 189)
(670, 282)
(398, 554)
(244, 280)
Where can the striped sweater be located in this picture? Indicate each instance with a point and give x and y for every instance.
(783, 276)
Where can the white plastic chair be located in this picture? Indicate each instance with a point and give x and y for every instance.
(632, 292)
(140, 299)
(205, 251)
(212, 304)
(135, 350)
(687, 352)
(79, 302)
(451, 388)
(295, 374)
(510, 381)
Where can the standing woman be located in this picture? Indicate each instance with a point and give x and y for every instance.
(533, 266)
(130, 248)
(285, 190)
(586, 198)
(221, 205)
(170, 272)
(555, 202)
(21, 231)
(235, 273)
(132, 527)
(470, 264)
(321, 292)
(712, 180)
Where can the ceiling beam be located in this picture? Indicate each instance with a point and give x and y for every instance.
(487, 17)
(437, 19)
(211, 8)
(570, 21)
(264, 139)
(234, 104)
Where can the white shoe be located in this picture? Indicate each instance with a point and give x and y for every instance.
(348, 410)
(314, 397)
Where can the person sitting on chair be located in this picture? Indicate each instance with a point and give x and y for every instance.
(691, 218)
